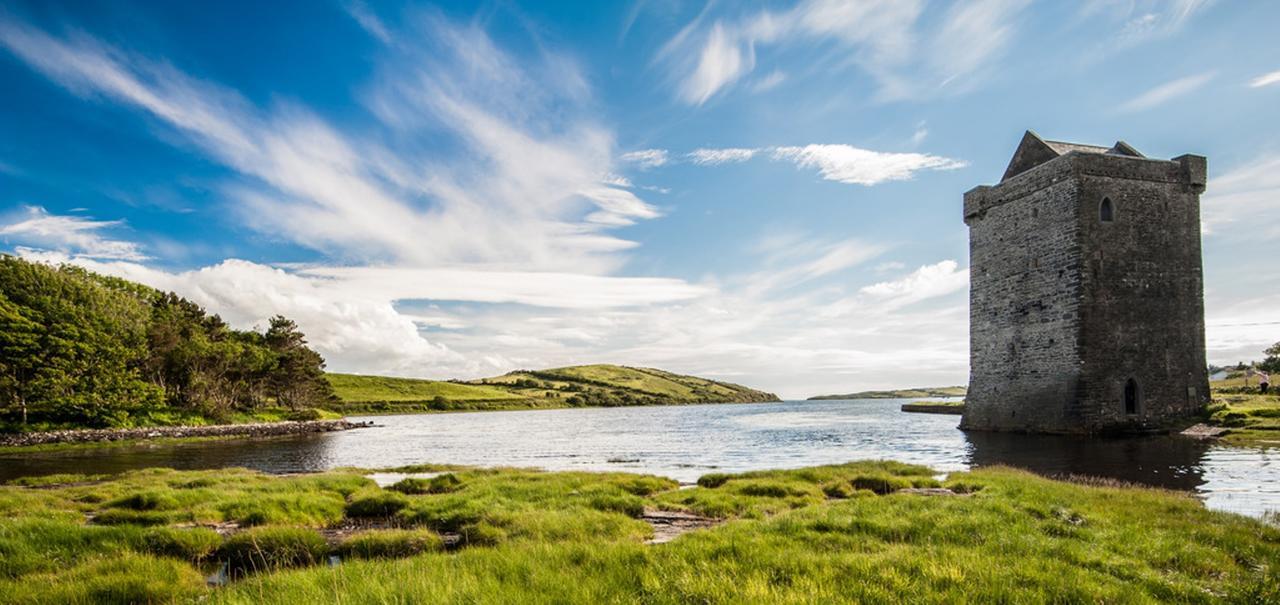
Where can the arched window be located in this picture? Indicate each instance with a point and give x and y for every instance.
(1106, 212)
(1131, 397)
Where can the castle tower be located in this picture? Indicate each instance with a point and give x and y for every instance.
(1086, 300)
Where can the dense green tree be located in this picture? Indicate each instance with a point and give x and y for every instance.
(298, 379)
(1272, 362)
(78, 348)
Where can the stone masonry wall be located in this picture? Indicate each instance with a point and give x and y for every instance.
(1142, 294)
(1023, 311)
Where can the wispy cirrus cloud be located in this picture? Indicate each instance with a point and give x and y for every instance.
(1266, 79)
(1167, 92)
(840, 163)
(34, 226)
(712, 157)
(884, 37)
(362, 195)
(646, 158)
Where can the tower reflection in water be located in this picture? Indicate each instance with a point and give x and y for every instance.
(1160, 461)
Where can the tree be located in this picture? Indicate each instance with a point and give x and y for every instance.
(298, 379)
(1272, 362)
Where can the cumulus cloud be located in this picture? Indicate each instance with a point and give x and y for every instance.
(72, 234)
(924, 283)
(712, 54)
(1167, 92)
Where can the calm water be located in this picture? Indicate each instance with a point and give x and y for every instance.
(685, 442)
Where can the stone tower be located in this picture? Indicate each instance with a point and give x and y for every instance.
(1086, 300)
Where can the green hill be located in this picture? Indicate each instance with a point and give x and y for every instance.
(575, 386)
(915, 393)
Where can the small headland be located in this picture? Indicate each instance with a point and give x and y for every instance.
(934, 407)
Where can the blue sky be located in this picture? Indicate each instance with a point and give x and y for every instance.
(764, 193)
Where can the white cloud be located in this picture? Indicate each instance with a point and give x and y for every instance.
(769, 82)
(646, 158)
(711, 157)
(710, 55)
(920, 134)
(924, 283)
(1144, 20)
(367, 20)
(1244, 203)
(373, 196)
(841, 163)
(1167, 92)
(847, 164)
(1265, 80)
(71, 234)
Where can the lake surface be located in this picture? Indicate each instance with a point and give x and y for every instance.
(685, 442)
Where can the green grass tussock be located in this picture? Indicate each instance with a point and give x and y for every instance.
(440, 484)
(390, 544)
(265, 549)
(376, 503)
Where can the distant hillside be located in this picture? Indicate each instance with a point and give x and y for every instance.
(915, 393)
(576, 386)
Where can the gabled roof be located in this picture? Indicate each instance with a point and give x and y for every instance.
(1034, 151)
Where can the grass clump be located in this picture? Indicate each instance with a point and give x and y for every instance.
(440, 484)
(266, 549)
(376, 503)
(391, 544)
(195, 544)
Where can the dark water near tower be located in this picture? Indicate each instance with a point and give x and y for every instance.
(685, 442)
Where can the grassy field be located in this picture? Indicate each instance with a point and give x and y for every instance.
(1254, 419)
(611, 385)
(575, 386)
(853, 532)
(899, 394)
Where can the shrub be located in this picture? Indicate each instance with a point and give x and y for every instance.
(389, 544)
(189, 544)
(380, 503)
(272, 548)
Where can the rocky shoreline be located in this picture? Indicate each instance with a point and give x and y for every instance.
(257, 429)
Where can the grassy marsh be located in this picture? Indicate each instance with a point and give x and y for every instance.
(857, 531)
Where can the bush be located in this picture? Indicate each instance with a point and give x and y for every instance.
(390, 544)
(272, 548)
(189, 544)
(440, 484)
(378, 503)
